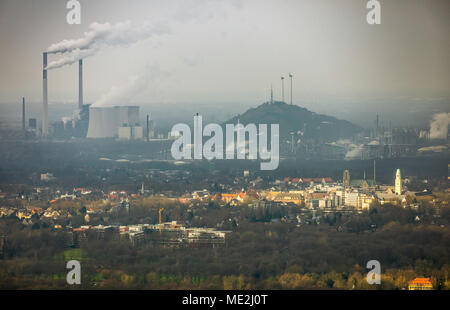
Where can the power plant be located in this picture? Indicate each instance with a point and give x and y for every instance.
(120, 122)
(78, 125)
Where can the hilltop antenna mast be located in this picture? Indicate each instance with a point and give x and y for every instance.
(271, 94)
(377, 123)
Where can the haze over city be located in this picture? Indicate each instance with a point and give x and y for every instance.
(227, 52)
(201, 146)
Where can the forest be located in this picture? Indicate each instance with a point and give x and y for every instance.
(258, 254)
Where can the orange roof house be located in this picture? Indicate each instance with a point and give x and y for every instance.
(229, 197)
(420, 284)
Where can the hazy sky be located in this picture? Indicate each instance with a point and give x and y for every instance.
(230, 51)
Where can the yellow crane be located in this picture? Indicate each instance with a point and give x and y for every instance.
(160, 211)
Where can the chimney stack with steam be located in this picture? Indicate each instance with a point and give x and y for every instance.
(80, 84)
(44, 99)
(148, 129)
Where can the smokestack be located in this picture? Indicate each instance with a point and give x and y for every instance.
(80, 84)
(290, 76)
(271, 94)
(148, 132)
(282, 88)
(378, 123)
(23, 113)
(374, 172)
(44, 99)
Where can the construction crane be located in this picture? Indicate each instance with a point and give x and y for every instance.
(160, 211)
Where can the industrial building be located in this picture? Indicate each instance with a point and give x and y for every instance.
(120, 122)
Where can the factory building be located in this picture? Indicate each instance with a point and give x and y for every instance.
(91, 122)
(32, 123)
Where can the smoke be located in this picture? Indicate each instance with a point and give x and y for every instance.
(100, 36)
(435, 148)
(126, 33)
(72, 57)
(439, 126)
(121, 95)
(66, 119)
(355, 152)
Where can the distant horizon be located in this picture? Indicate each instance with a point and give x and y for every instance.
(11, 112)
(329, 48)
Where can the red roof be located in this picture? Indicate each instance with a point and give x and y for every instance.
(423, 281)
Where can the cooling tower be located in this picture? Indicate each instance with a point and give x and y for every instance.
(104, 122)
(110, 122)
(95, 122)
(128, 115)
(133, 116)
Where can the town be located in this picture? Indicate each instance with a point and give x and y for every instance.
(136, 153)
(302, 201)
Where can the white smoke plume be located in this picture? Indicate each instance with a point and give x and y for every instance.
(72, 57)
(121, 95)
(355, 152)
(103, 35)
(439, 126)
(126, 33)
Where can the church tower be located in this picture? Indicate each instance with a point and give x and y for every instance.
(398, 182)
(346, 178)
